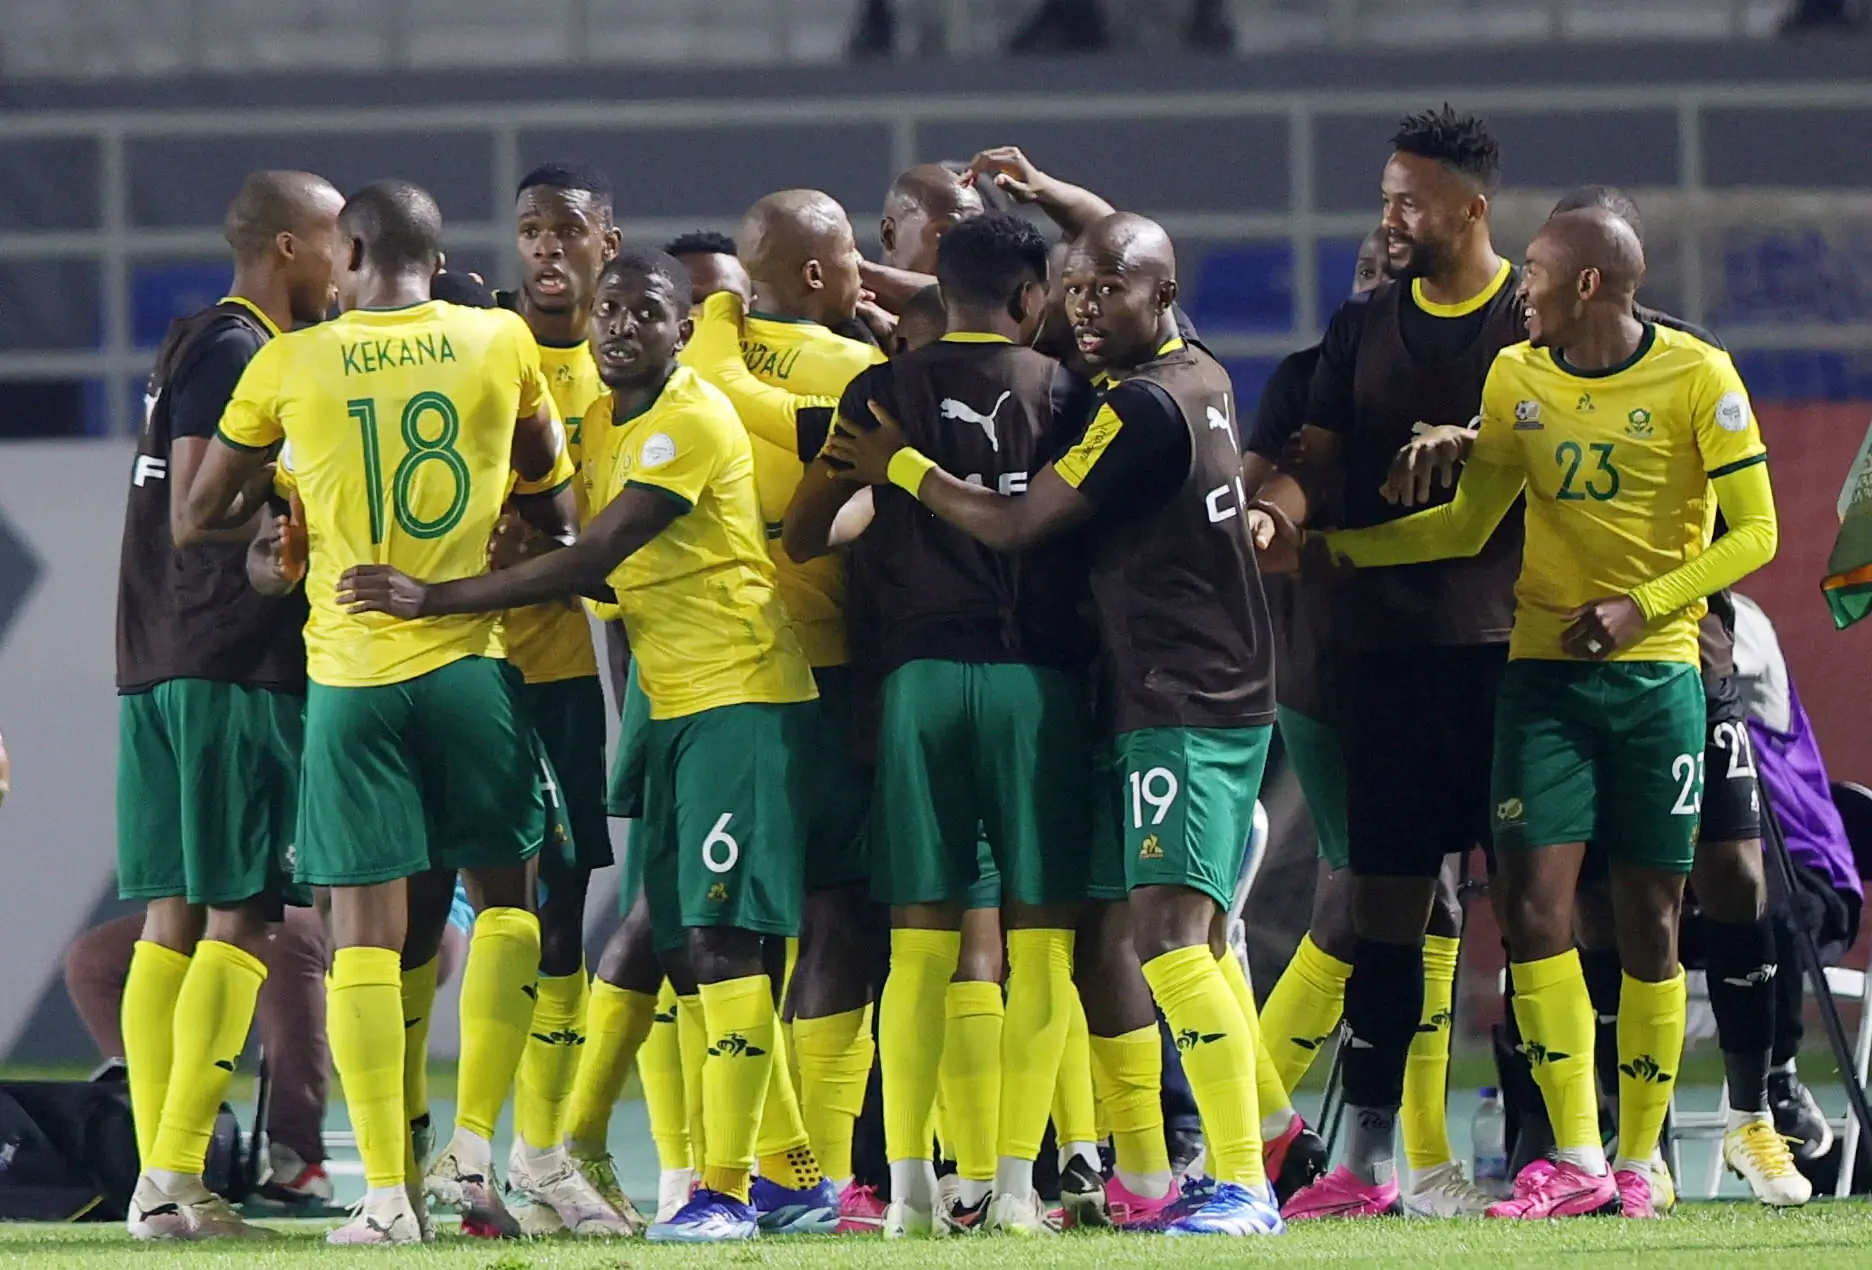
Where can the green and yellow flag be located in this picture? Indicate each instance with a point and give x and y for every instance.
(1848, 585)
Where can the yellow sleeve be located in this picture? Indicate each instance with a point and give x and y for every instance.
(1746, 498)
(1495, 441)
(1077, 463)
(251, 419)
(680, 456)
(533, 386)
(535, 392)
(768, 413)
(1727, 434)
(1460, 527)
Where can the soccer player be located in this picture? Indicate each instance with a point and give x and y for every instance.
(565, 234)
(677, 536)
(1188, 697)
(802, 259)
(212, 683)
(983, 725)
(407, 419)
(1728, 876)
(1616, 427)
(923, 203)
(1425, 646)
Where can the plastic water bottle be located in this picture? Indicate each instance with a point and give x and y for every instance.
(1489, 1132)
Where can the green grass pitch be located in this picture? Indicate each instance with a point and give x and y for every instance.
(1722, 1235)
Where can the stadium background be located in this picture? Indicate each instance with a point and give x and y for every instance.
(124, 129)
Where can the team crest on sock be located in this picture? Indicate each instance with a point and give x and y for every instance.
(734, 1044)
(1645, 1068)
(1536, 1053)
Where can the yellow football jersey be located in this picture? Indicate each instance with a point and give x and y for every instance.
(550, 642)
(802, 357)
(400, 424)
(1618, 466)
(699, 601)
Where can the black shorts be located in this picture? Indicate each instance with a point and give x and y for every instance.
(1731, 800)
(1419, 736)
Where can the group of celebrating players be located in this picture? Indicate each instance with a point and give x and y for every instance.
(935, 585)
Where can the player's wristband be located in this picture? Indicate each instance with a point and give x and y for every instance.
(907, 469)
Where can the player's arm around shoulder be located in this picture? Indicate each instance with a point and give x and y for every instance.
(817, 513)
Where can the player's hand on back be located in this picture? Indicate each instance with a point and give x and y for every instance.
(1427, 463)
(1595, 631)
(513, 541)
(1009, 170)
(381, 588)
(861, 449)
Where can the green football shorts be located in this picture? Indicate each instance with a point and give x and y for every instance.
(208, 792)
(1178, 806)
(968, 751)
(437, 772)
(1606, 752)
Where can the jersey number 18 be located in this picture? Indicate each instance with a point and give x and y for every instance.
(419, 450)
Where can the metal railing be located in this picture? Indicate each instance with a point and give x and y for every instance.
(1682, 217)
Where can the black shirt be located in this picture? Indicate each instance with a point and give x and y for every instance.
(992, 413)
(1145, 461)
(189, 613)
(1282, 411)
(1387, 365)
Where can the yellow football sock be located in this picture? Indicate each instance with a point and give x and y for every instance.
(616, 1023)
(362, 1017)
(497, 994)
(1424, 1122)
(1651, 1018)
(1218, 1057)
(418, 992)
(1302, 1012)
(744, 1042)
(149, 1014)
(1075, 1115)
(1271, 1097)
(549, 1061)
(1556, 1018)
(1040, 993)
(692, 1048)
(214, 1010)
(834, 1054)
(970, 1076)
(1127, 1073)
(910, 1017)
(782, 1148)
(659, 1067)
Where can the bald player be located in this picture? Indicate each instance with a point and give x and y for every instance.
(212, 682)
(1729, 882)
(1155, 480)
(1615, 427)
(923, 203)
(801, 258)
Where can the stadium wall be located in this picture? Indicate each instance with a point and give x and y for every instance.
(61, 516)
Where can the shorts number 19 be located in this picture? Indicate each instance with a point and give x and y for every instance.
(1158, 788)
